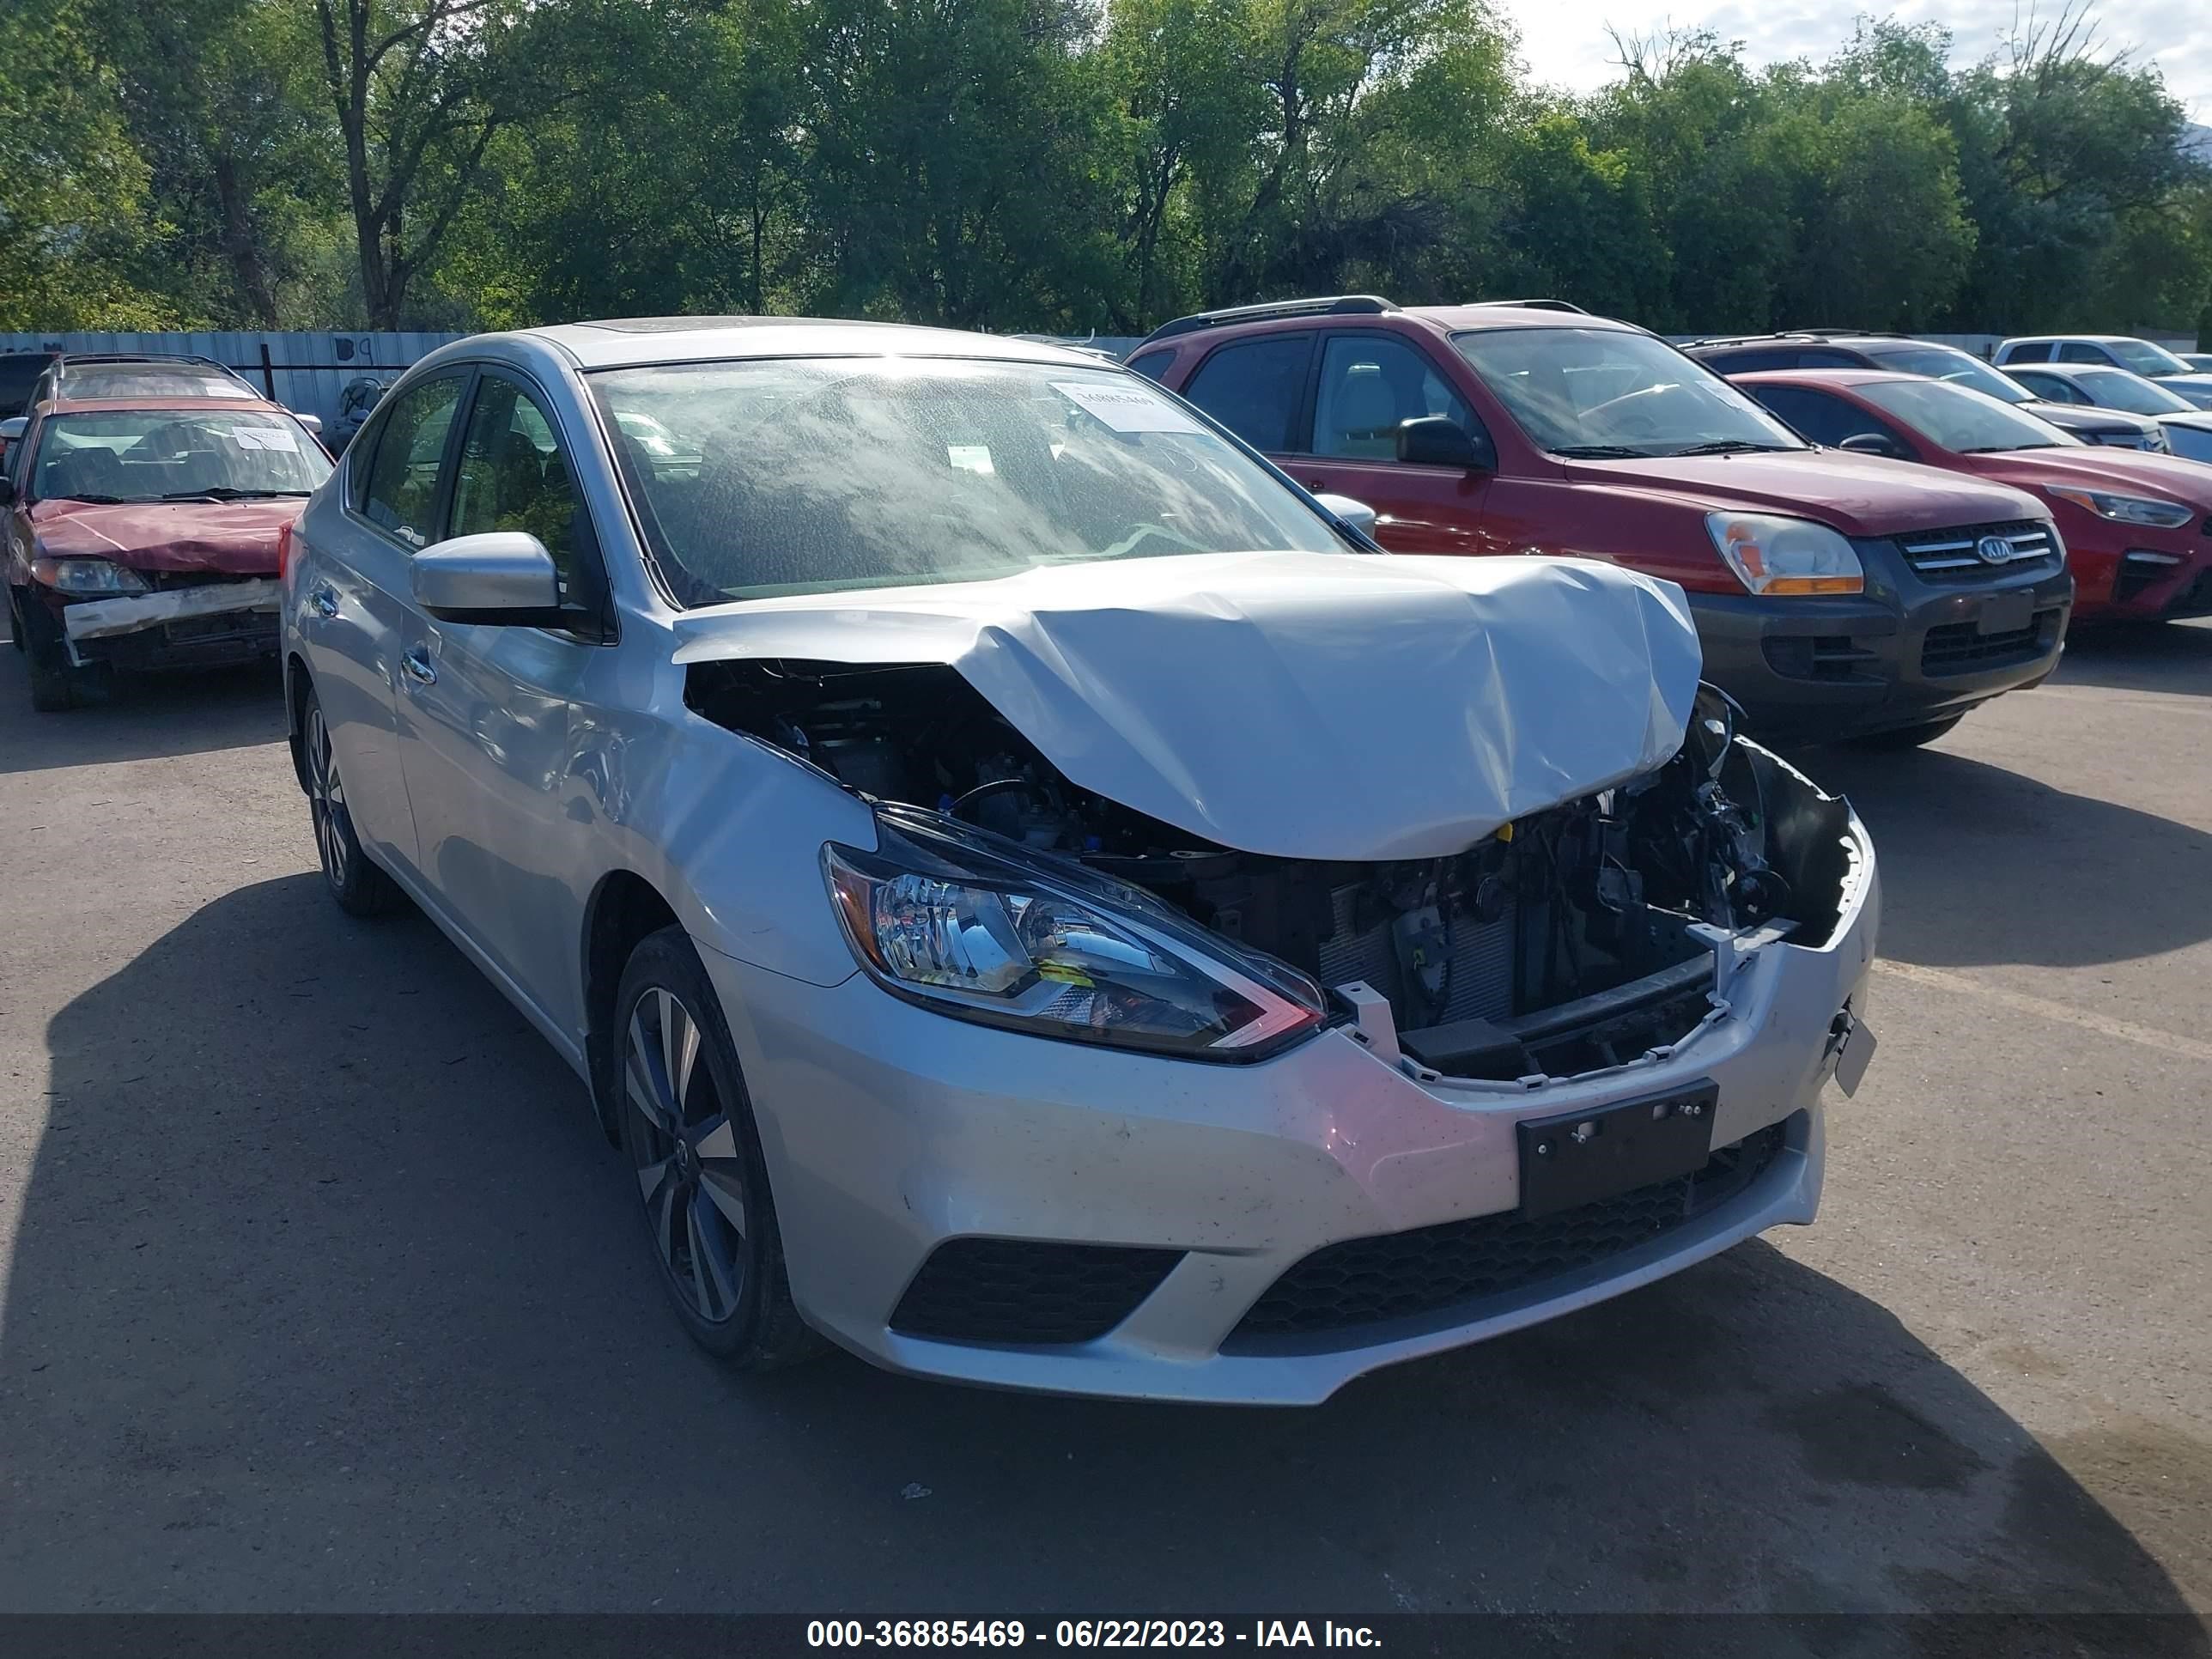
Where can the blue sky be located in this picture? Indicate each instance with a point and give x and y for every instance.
(1565, 44)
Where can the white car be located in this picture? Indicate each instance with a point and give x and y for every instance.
(1036, 898)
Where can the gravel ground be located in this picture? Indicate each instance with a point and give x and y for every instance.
(322, 1293)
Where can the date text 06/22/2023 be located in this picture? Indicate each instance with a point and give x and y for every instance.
(1086, 1634)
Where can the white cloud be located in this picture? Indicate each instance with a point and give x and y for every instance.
(1567, 45)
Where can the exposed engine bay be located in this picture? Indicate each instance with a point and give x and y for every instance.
(1572, 939)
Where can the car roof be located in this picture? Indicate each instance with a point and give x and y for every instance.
(2056, 339)
(1478, 314)
(104, 405)
(626, 340)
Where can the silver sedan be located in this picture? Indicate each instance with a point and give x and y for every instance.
(1036, 898)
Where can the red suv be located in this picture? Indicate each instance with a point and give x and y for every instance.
(1531, 427)
(2138, 527)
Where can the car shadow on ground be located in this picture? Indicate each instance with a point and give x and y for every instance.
(328, 1293)
(145, 715)
(1982, 865)
(2140, 657)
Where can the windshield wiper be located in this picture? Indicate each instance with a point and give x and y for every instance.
(103, 501)
(1602, 452)
(230, 493)
(2003, 449)
(1730, 447)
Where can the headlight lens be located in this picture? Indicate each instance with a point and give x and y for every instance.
(2129, 509)
(969, 926)
(1775, 554)
(87, 576)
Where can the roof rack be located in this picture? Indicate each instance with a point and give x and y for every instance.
(1796, 334)
(1538, 305)
(63, 359)
(1320, 306)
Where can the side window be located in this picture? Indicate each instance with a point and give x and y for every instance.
(1751, 362)
(2049, 386)
(1369, 384)
(2081, 351)
(2038, 353)
(1255, 388)
(514, 474)
(1828, 357)
(1154, 365)
(1817, 416)
(401, 495)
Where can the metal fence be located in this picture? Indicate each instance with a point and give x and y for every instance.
(303, 372)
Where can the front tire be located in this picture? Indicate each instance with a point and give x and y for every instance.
(688, 1138)
(359, 888)
(57, 683)
(1907, 737)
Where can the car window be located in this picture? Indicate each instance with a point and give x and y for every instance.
(1753, 361)
(1614, 392)
(514, 474)
(1154, 365)
(2144, 358)
(2049, 386)
(1953, 418)
(175, 454)
(2115, 388)
(2081, 351)
(1830, 357)
(401, 495)
(1255, 389)
(1942, 362)
(2036, 352)
(1824, 418)
(1369, 384)
(799, 475)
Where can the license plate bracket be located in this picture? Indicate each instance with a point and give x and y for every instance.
(2006, 613)
(1581, 1158)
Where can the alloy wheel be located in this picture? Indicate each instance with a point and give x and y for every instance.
(685, 1150)
(326, 798)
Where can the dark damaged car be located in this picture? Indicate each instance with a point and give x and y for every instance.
(142, 534)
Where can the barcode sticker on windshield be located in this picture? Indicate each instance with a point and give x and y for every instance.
(1126, 409)
(264, 437)
(970, 458)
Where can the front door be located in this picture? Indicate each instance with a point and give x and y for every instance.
(1368, 383)
(489, 710)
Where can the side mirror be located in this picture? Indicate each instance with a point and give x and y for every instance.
(500, 578)
(1439, 441)
(1358, 515)
(7, 487)
(1873, 443)
(312, 422)
(12, 428)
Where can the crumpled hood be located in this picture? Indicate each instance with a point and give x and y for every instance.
(1858, 494)
(1304, 705)
(238, 539)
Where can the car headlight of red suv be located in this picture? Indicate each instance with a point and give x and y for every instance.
(89, 578)
(2129, 509)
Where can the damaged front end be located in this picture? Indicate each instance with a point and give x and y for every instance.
(185, 620)
(1580, 936)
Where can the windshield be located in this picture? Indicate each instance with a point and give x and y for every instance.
(1604, 393)
(162, 454)
(807, 476)
(2113, 388)
(1954, 418)
(1959, 368)
(2145, 358)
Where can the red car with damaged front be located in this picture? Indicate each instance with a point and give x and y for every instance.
(142, 534)
(2137, 527)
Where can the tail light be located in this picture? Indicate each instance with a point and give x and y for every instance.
(285, 552)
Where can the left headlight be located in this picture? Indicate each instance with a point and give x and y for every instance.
(87, 577)
(973, 927)
(2128, 509)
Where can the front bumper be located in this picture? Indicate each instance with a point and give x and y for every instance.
(209, 625)
(891, 1130)
(1907, 653)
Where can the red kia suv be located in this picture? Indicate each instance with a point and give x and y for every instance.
(1532, 427)
(2138, 528)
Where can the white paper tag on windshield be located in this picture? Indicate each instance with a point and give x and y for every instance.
(264, 437)
(970, 458)
(1126, 409)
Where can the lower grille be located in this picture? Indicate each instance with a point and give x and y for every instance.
(1957, 649)
(1020, 1291)
(1459, 1265)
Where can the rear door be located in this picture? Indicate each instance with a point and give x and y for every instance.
(355, 596)
(1367, 382)
(487, 709)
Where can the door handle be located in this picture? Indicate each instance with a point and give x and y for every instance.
(326, 603)
(417, 665)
